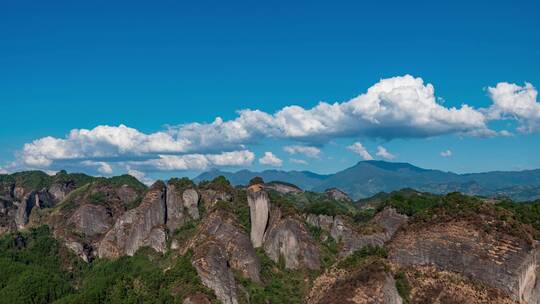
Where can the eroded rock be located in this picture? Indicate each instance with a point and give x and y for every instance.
(136, 227)
(499, 260)
(259, 210)
(92, 219)
(287, 236)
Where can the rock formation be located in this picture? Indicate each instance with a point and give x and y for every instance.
(283, 188)
(259, 209)
(221, 246)
(500, 260)
(338, 195)
(344, 231)
(138, 227)
(287, 236)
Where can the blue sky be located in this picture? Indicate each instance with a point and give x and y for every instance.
(152, 67)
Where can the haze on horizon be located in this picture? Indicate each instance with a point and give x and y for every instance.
(91, 88)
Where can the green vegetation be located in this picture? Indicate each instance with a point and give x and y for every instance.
(129, 180)
(256, 181)
(35, 270)
(403, 287)
(31, 268)
(359, 257)
(278, 285)
(527, 213)
(410, 202)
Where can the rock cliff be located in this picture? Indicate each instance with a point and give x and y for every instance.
(287, 237)
(259, 211)
(142, 226)
(221, 246)
(499, 260)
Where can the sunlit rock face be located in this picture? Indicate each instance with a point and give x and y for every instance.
(259, 210)
(138, 227)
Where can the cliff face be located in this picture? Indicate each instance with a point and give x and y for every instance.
(497, 259)
(221, 246)
(370, 283)
(182, 206)
(342, 230)
(142, 226)
(259, 210)
(287, 236)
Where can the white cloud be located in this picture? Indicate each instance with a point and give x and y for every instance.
(3, 171)
(196, 161)
(511, 101)
(382, 152)
(446, 153)
(102, 167)
(141, 176)
(270, 159)
(359, 149)
(308, 151)
(298, 161)
(397, 107)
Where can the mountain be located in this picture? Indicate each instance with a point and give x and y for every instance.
(368, 178)
(73, 238)
(303, 179)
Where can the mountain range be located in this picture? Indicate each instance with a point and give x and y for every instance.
(368, 178)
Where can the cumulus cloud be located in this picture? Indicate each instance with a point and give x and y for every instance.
(270, 159)
(382, 152)
(359, 149)
(446, 153)
(397, 107)
(196, 161)
(141, 176)
(511, 101)
(3, 171)
(308, 151)
(102, 167)
(298, 161)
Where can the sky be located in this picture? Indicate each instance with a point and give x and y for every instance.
(172, 88)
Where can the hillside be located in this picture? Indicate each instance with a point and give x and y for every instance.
(113, 240)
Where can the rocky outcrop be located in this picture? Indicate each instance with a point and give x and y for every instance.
(431, 285)
(221, 226)
(138, 227)
(182, 205)
(210, 197)
(500, 260)
(371, 283)
(259, 210)
(220, 246)
(283, 188)
(210, 261)
(91, 220)
(352, 238)
(38, 199)
(60, 190)
(197, 298)
(287, 237)
(191, 203)
(338, 195)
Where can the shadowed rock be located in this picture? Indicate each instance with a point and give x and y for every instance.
(288, 237)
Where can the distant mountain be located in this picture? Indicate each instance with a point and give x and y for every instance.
(368, 178)
(303, 179)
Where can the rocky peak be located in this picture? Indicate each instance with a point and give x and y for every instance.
(259, 210)
(142, 226)
(335, 193)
